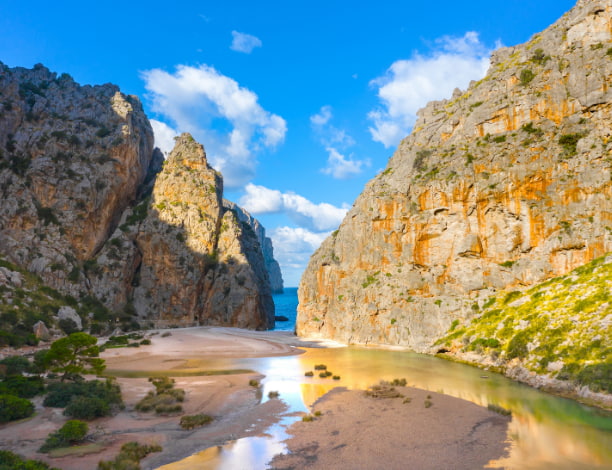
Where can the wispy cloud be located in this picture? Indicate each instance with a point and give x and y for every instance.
(342, 167)
(242, 42)
(220, 113)
(317, 217)
(293, 248)
(338, 166)
(410, 84)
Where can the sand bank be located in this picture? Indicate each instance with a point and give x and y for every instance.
(355, 431)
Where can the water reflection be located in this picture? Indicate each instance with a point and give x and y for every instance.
(546, 431)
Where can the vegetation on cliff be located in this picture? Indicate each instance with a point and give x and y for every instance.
(560, 328)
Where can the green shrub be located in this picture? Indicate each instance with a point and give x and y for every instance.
(309, 373)
(88, 408)
(254, 383)
(517, 347)
(598, 377)
(526, 77)
(569, 142)
(16, 365)
(23, 387)
(72, 432)
(13, 408)
(129, 457)
(308, 418)
(61, 393)
(162, 408)
(273, 394)
(320, 367)
(195, 421)
(11, 461)
(539, 57)
(510, 296)
(164, 399)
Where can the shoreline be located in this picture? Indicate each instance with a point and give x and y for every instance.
(237, 407)
(515, 372)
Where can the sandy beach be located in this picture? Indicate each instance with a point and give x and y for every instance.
(352, 432)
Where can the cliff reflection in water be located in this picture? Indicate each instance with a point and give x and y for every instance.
(545, 432)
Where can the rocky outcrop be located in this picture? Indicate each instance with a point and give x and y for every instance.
(71, 160)
(503, 186)
(272, 266)
(90, 207)
(190, 260)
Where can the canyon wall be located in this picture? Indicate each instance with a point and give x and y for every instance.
(503, 186)
(90, 207)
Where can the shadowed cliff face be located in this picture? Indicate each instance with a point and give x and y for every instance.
(189, 260)
(503, 186)
(89, 206)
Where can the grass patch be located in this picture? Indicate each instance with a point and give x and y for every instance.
(195, 421)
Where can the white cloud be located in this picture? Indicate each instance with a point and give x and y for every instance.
(317, 217)
(164, 136)
(341, 167)
(410, 84)
(338, 165)
(323, 117)
(242, 42)
(293, 248)
(202, 101)
(326, 132)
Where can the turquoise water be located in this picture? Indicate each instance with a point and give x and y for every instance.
(286, 305)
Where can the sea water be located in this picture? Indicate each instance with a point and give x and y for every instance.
(286, 305)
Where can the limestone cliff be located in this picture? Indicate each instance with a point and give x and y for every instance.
(90, 207)
(71, 160)
(190, 260)
(503, 186)
(272, 266)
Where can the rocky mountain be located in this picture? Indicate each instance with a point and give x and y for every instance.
(92, 209)
(502, 187)
(272, 266)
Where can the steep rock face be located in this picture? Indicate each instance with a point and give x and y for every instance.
(93, 209)
(504, 186)
(190, 260)
(272, 266)
(71, 160)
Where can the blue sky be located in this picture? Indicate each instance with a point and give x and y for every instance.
(299, 104)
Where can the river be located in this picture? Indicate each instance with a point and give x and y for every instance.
(545, 432)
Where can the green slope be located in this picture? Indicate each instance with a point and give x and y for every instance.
(561, 328)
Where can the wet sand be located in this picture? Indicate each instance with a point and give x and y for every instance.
(235, 405)
(355, 431)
